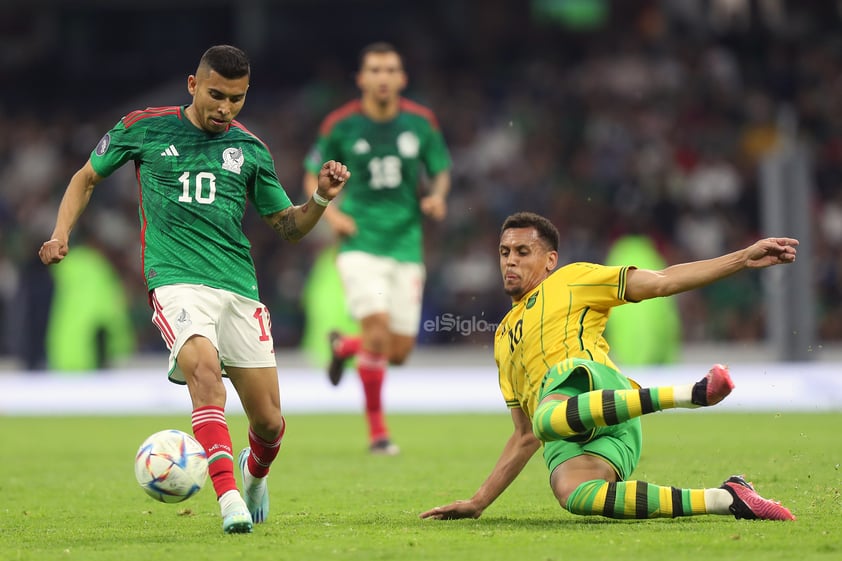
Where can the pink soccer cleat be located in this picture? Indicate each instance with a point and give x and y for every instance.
(713, 388)
(749, 505)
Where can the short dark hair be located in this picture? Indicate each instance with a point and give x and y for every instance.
(546, 229)
(227, 61)
(380, 47)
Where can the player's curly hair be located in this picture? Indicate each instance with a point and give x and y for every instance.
(546, 229)
(227, 61)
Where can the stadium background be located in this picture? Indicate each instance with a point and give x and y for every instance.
(609, 117)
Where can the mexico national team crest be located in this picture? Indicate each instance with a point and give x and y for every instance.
(232, 159)
(408, 144)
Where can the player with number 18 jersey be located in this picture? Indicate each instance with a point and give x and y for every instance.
(386, 160)
(192, 187)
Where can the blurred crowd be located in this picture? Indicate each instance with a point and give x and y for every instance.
(654, 123)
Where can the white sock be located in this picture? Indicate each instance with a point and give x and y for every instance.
(231, 501)
(249, 480)
(717, 501)
(683, 395)
(255, 486)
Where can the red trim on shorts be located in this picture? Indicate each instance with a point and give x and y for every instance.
(161, 322)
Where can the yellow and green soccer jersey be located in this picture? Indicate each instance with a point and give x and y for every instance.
(386, 160)
(193, 188)
(563, 317)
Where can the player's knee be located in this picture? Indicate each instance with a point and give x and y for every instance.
(562, 490)
(205, 384)
(376, 341)
(206, 392)
(538, 422)
(398, 358)
(573, 494)
(270, 427)
(400, 347)
(542, 426)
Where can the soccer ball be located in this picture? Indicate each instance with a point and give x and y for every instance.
(171, 466)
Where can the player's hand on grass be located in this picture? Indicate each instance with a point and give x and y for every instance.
(52, 251)
(332, 178)
(457, 509)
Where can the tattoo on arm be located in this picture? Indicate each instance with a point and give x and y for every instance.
(284, 224)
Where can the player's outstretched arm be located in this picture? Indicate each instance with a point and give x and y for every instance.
(73, 203)
(520, 447)
(642, 284)
(293, 223)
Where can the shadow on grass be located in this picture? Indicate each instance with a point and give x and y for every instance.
(568, 522)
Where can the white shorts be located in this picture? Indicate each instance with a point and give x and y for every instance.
(237, 326)
(375, 284)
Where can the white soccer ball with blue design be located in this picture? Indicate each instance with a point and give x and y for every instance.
(171, 466)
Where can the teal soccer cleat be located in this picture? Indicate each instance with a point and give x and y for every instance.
(256, 493)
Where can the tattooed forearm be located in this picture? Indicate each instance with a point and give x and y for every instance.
(284, 224)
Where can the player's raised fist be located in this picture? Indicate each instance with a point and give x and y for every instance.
(332, 178)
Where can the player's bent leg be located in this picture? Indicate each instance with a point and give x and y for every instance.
(400, 347)
(560, 416)
(642, 500)
(198, 360)
(254, 462)
(590, 486)
(260, 395)
(635, 500)
(372, 362)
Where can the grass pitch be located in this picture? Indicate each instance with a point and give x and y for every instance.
(67, 491)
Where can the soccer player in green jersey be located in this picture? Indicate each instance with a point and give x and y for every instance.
(388, 141)
(196, 168)
(565, 393)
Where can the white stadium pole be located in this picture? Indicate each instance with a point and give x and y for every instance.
(786, 190)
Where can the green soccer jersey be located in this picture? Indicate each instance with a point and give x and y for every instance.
(193, 191)
(385, 160)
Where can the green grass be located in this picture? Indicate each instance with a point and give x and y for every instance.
(67, 491)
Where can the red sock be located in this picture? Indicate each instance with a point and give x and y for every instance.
(348, 346)
(211, 430)
(372, 369)
(263, 453)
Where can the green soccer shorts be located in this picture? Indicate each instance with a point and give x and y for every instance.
(619, 445)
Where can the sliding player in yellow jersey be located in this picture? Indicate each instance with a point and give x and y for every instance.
(565, 393)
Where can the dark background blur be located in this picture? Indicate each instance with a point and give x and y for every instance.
(610, 118)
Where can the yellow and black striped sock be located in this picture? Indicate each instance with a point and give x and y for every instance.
(559, 419)
(635, 500)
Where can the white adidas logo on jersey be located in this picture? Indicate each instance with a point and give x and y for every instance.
(171, 151)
